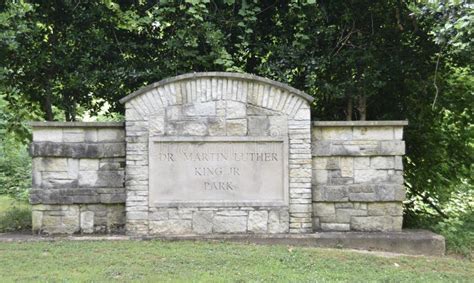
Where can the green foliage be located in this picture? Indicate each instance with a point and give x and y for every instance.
(15, 169)
(14, 215)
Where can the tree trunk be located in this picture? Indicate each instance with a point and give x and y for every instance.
(362, 107)
(47, 108)
(349, 109)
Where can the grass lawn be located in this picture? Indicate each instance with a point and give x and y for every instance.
(157, 261)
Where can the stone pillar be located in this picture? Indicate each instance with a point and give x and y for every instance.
(78, 177)
(358, 175)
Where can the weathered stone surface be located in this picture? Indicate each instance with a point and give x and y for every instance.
(202, 222)
(172, 227)
(376, 223)
(236, 127)
(335, 227)
(257, 221)
(87, 222)
(77, 150)
(217, 172)
(278, 222)
(230, 224)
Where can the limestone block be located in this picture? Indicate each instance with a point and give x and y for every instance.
(90, 135)
(373, 133)
(194, 128)
(37, 220)
(52, 164)
(88, 178)
(382, 162)
(88, 164)
(335, 133)
(361, 162)
(230, 224)
(343, 215)
(303, 114)
(236, 110)
(370, 175)
(72, 168)
(278, 222)
(236, 127)
(278, 126)
(398, 133)
(257, 221)
(320, 162)
(203, 222)
(392, 147)
(398, 160)
(157, 125)
(330, 193)
(385, 208)
(73, 135)
(200, 109)
(110, 135)
(47, 135)
(346, 166)
(324, 209)
(376, 223)
(171, 227)
(216, 126)
(320, 176)
(258, 125)
(87, 222)
(335, 227)
(174, 112)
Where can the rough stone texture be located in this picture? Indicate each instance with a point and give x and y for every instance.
(218, 105)
(358, 175)
(78, 218)
(78, 178)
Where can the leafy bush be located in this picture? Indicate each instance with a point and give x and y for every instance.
(15, 219)
(458, 229)
(15, 169)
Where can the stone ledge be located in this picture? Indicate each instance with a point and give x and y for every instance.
(77, 150)
(366, 192)
(358, 148)
(411, 242)
(359, 123)
(78, 196)
(77, 124)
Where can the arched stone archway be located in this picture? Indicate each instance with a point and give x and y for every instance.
(226, 112)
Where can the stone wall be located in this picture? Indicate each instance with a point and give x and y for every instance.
(156, 174)
(78, 177)
(218, 105)
(358, 175)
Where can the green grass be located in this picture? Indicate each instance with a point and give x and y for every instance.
(157, 261)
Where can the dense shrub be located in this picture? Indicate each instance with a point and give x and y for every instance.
(15, 169)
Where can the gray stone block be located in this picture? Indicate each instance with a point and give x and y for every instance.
(230, 224)
(203, 222)
(77, 150)
(257, 221)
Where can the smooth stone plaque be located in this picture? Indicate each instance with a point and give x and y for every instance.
(220, 171)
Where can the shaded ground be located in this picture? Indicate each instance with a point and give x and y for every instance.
(203, 261)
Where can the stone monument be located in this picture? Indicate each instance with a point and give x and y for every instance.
(217, 153)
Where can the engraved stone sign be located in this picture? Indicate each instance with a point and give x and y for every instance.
(219, 171)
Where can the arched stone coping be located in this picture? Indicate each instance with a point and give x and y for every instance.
(239, 76)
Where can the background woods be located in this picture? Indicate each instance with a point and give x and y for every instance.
(387, 60)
